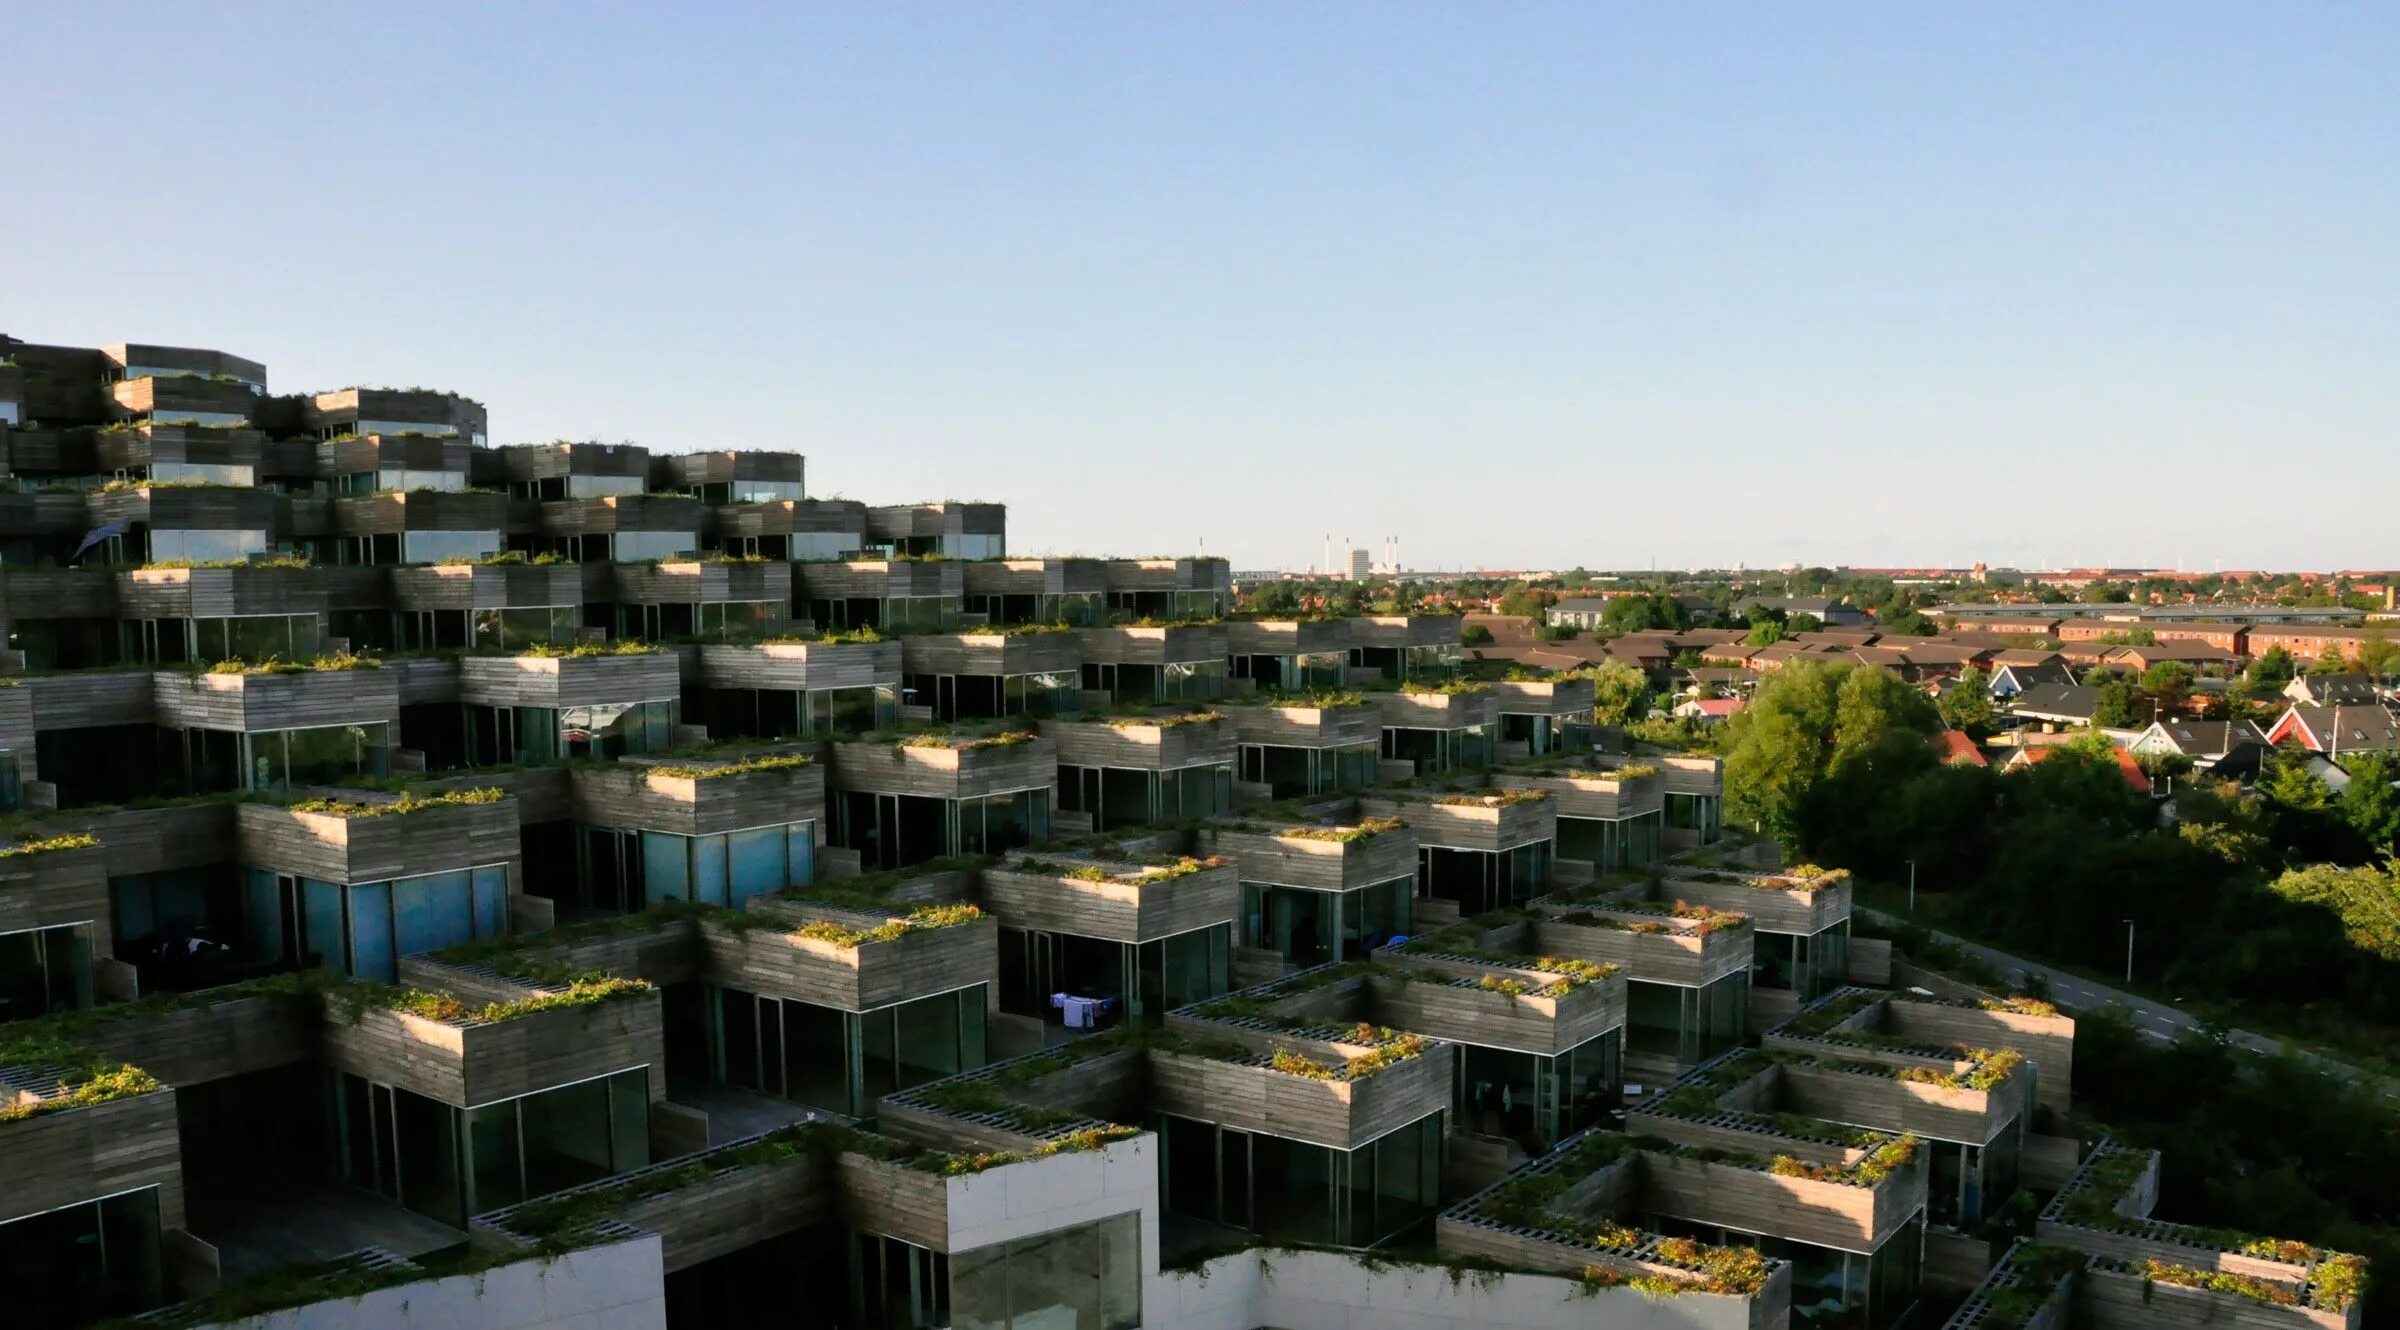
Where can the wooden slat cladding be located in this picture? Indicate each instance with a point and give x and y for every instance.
(1426, 1003)
(931, 520)
(974, 653)
(485, 586)
(187, 507)
(2048, 1042)
(214, 1041)
(633, 795)
(1590, 795)
(164, 397)
(18, 728)
(1304, 726)
(1434, 711)
(55, 593)
(1405, 630)
(1829, 1214)
(1324, 865)
(56, 887)
(1340, 1115)
(1154, 646)
(1131, 745)
(468, 1065)
(424, 678)
(1477, 826)
(1690, 775)
(253, 702)
(1526, 697)
(1034, 577)
(125, 447)
(1774, 909)
(549, 461)
(800, 666)
(783, 964)
(90, 698)
(729, 465)
(727, 1212)
(334, 848)
(892, 1199)
(944, 773)
(150, 840)
(1681, 955)
(568, 681)
(204, 593)
(1286, 637)
(1195, 573)
(605, 514)
(419, 510)
(791, 517)
(379, 452)
(82, 1154)
(42, 514)
(1139, 911)
(696, 582)
(877, 579)
(1881, 1100)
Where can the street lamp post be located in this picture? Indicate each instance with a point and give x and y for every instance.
(1912, 886)
(2129, 951)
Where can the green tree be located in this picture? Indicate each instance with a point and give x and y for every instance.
(1968, 705)
(1620, 693)
(2332, 660)
(1804, 623)
(2377, 656)
(1475, 635)
(2371, 804)
(1688, 659)
(1765, 632)
(1776, 749)
(1526, 602)
(1275, 598)
(2113, 709)
(2294, 786)
(2274, 668)
(1640, 613)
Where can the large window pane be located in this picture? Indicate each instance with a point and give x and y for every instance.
(666, 867)
(758, 862)
(372, 954)
(708, 869)
(567, 1137)
(432, 912)
(492, 1143)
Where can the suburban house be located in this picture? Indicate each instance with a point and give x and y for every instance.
(2058, 703)
(1959, 750)
(2016, 671)
(2203, 741)
(1824, 609)
(2127, 765)
(2332, 690)
(2336, 731)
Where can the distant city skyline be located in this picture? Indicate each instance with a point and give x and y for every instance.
(1537, 287)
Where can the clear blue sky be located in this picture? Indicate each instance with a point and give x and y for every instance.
(1523, 285)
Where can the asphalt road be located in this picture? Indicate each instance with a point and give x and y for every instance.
(2159, 1020)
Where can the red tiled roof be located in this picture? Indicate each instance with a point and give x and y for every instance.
(1958, 750)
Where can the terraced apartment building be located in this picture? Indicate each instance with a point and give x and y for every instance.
(495, 887)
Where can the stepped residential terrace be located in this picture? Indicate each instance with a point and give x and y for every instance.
(471, 887)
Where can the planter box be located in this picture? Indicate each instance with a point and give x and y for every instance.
(1460, 1238)
(778, 963)
(334, 848)
(1487, 827)
(211, 1041)
(1324, 865)
(1114, 911)
(1405, 630)
(1131, 745)
(1341, 1115)
(2126, 1300)
(1434, 711)
(305, 699)
(1690, 775)
(879, 579)
(800, 666)
(945, 772)
(419, 510)
(467, 1065)
(1533, 697)
(1593, 794)
(569, 681)
(2048, 1042)
(1287, 637)
(1195, 573)
(1681, 955)
(793, 517)
(698, 582)
(82, 1154)
(57, 593)
(1303, 726)
(611, 513)
(991, 653)
(1829, 1214)
(57, 887)
(1034, 577)
(203, 593)
(187, 507)
(486, 586)
(88, 698)
(634, 793)
(1887, 1103)
(1429, 1004)
(1154, 646)
(893, 1200)
(715, 1216)
(1773, 909)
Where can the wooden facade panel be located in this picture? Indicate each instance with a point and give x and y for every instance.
(83, 1154)
(56, 593)
(637, 796)
(304, 699)
(1323, 865)
(90, 698)
(800, 666)
(2048, 1042)
(944, 773)
(486, 586)
(973, 653)
(1477, 826)
(334, 848)
(1303, 726)
(569, 681)
(1154, 646)
(1129, 745)
(212, 1041)
(57, 887)
(892, 1199)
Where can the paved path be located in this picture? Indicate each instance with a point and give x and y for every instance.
(2161, 1021)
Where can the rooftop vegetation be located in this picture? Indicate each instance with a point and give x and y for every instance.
(85, 1077)
(624, 646)
(333, 663)
(747, 766)
(922, 919)
(405, 805)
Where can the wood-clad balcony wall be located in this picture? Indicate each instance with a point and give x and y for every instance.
(300, 699)
(1487, 826)
(639, 794)
(1301, 726)
(553, 461)
(43, 514)
(2048, 1042)
(88, 698)
(51, 887)
(697, 581)
(1132, 645)
(778, 961)
(1689, 775)
(1325, 865)
(1398, 710)
(732, 1205)
(392, 452)
(151, 840)
(75, 1155)
(187, 507)
(991, 654)
(469, 1063)
(423, 679)
(486, 586)
(164, 398)
(349, 406)
(891, 1199)
(926, 521)
(333, 847)
(1129, 744)
(207, 362)
(569, 681)
(1337, 1114)
(1770, 907)
(127, 447)
(880, 579)
(791, 517)
(1682, 952)
(729, 465)
(950, 772)
(1188, 573)
(54, 593)
(1034, 577)
(204, 1041)
(1287, 637)
(606, 514)
(1149, 907)
(1405, 630)
(2108, 1298)
(1444, 999)
(1543, 697)
(207, 593)
(1875, 1097)
(418, 510)
(798, 666)
(1828, 1214)
(1462, 1237)
(1601, 796)
(19, 732)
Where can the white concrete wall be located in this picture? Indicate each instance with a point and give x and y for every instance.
(621, 1286)
(1299, 1290)
(1043, 1195)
